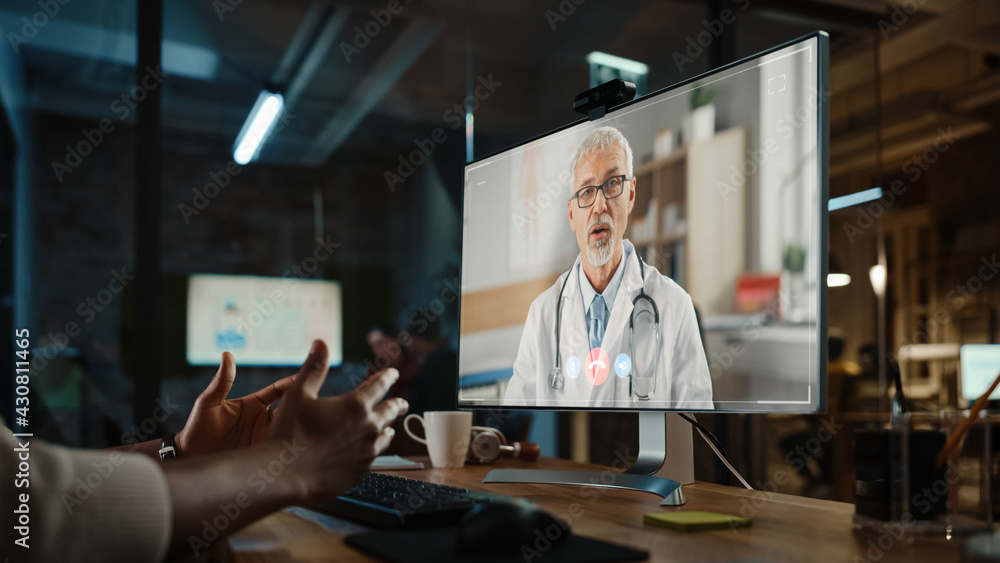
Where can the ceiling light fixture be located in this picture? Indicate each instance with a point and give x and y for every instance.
(258, 126)
(836, 203)
(628, 65)
(877, 275)
(838, 280)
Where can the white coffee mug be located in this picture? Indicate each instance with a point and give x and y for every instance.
(447, 436)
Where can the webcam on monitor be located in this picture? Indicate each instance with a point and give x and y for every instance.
(594, 103)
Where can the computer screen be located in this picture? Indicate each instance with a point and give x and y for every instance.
(262, 321)
(670, 255)
(980, 366)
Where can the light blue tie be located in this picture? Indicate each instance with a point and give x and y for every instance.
(597, 313)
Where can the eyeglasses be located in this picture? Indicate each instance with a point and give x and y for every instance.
(612, 188)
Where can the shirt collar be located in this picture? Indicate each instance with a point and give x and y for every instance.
(587, 291)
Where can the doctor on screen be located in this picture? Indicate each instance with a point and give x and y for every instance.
(612, 331)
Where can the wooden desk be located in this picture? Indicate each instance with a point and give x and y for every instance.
(785, 528)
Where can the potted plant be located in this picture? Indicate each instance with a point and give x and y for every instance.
(699, 125)
(794, 262)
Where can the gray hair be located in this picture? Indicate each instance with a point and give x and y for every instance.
(602, 138)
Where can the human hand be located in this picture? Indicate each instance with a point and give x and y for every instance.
(217, 423)
(335, 438)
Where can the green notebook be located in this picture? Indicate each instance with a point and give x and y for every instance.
(694, 520)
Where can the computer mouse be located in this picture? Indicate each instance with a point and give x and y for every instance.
(506, 527)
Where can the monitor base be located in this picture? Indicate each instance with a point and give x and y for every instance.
(648, 472)
(670, 490)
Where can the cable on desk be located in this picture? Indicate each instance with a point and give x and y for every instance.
(716, 446)
(704, 431)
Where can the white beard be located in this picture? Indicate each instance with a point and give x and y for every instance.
(598, 253)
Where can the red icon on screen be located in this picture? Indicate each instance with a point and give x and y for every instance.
(598, 364)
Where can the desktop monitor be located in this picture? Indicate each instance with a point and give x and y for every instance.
(667, 256)
(699, 211)
(263, 321)
(980, 365)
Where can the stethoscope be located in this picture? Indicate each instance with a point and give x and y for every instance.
(557, 379)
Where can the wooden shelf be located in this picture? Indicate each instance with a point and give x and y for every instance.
(676, 157)
(660, 240)
(688, 179)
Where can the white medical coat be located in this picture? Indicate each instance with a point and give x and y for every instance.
(683, 380)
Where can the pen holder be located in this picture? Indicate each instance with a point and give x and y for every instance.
(898, 482)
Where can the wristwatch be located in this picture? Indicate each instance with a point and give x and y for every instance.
(167, 448)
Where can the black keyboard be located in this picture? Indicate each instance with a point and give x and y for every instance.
(389, 502)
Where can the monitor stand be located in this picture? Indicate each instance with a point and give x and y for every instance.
(656, 431)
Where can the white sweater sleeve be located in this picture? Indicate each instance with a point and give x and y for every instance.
(81, 505)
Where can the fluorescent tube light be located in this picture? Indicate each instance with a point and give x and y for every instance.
(837, 280)
(258, 126)
(622, 63)
(877, 275)
(836, 203)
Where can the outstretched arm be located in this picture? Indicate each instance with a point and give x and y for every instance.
(217, 423)
(115, 506)
(315, 447)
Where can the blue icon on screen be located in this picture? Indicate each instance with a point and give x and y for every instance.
(573, 367)
(230, 339)
(623, 365)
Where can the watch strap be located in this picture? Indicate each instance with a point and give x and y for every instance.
(167, 448)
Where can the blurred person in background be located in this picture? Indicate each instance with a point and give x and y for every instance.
(390, 353)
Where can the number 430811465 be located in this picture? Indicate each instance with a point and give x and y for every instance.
(21, 375)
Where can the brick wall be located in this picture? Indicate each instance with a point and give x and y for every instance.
(262, 223)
